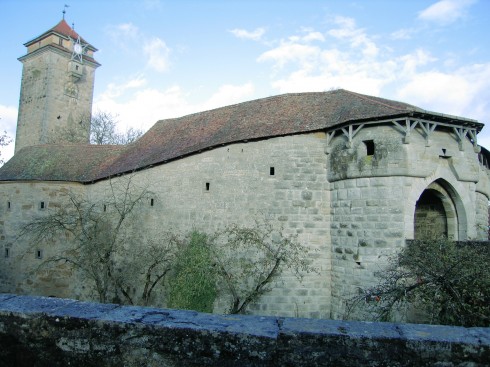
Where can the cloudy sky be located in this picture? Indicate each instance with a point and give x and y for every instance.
(168, 58)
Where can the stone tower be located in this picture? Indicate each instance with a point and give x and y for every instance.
(57, 88)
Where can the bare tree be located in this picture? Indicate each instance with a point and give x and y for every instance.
(97, 232)
(103, 130)
(251, 259)
(436, 280)
(148, 267)
(4, 141)
(98, 129)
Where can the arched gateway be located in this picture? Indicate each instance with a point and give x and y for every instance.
(439, 212)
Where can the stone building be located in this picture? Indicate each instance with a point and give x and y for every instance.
(352, 175)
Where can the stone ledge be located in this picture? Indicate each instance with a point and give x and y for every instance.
(40, 331)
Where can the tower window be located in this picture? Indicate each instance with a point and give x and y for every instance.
(152, 202)
(42, 205)
(207, 186)
(7, 252)
(39, 254)
(369, 147)
(272, 171)
(9, 205)
(60, 41)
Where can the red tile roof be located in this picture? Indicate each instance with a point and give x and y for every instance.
(64, 29)
(175, 138)
(61, 28)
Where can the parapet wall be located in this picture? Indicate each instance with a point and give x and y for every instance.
(38, 331)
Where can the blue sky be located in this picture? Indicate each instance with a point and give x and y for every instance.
(164, 59)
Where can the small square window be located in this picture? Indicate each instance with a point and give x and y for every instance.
(39, 254)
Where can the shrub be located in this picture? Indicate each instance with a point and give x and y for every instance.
(446, 282)
(192, 285)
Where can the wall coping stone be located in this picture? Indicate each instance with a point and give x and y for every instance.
(42, 331)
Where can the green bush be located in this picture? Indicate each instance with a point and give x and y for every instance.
(192, 286)
(444, 282)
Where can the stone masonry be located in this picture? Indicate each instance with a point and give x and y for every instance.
(352, 176)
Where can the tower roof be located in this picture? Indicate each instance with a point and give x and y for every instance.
(49, 40)
(62, 29)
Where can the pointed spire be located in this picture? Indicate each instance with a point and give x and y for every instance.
(64, 10)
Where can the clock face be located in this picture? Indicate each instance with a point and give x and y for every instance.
(77, 48)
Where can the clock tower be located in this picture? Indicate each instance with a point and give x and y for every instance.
(56, 93)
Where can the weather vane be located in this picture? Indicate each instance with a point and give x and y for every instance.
(64, 10)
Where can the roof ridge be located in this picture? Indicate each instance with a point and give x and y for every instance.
(370, 98)
(278, 96)
(62, 28)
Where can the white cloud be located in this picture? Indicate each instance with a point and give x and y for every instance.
(141, 109)
(403, 34)
(462, 92)
(158, 54)
(357, 37)
(254, 35)
(351, 61)
(152, 4)
(313, 36)
(300, 81)
(310, 35)
(446, 11)
(410, 63)
(120, 34)
(290, 52)
(116, 90)
(229, 94)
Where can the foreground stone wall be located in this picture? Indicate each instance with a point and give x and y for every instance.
(38, 332)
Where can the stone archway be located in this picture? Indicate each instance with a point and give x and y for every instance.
(436, 213)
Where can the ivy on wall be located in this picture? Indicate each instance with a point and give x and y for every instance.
(192, 285)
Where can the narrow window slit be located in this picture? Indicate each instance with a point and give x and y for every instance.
(369, 147)
(272, 171)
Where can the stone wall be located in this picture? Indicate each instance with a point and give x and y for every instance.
(38, 332)
(367, 226)
(353, 207)
(20, 203)
(282, 180)
(376, 180)
(481, 216)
